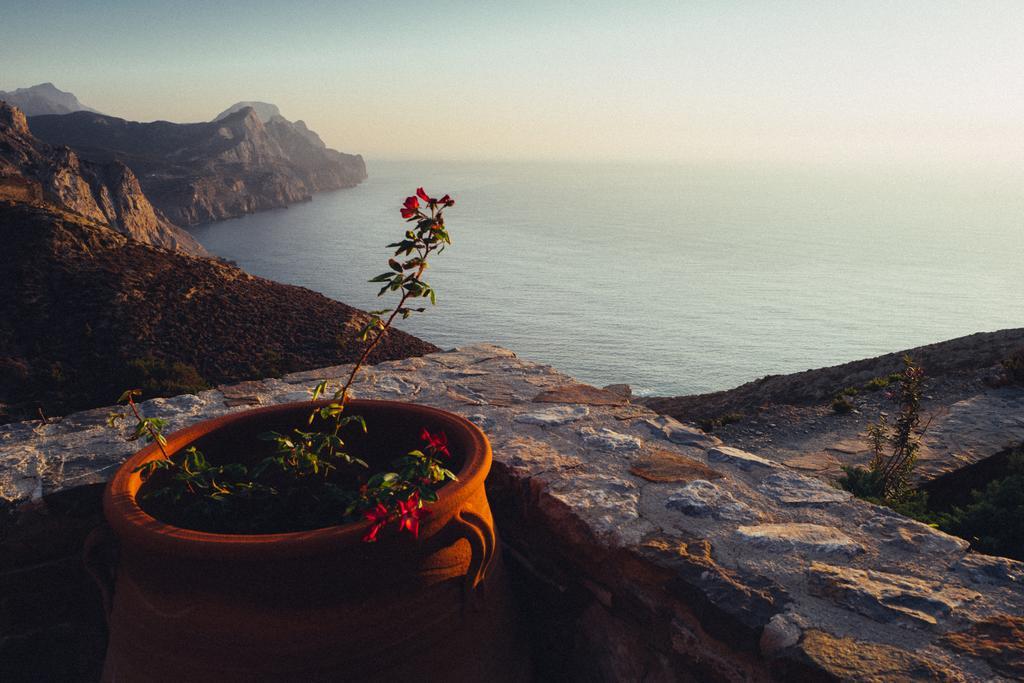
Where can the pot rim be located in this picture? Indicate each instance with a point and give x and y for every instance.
(137, 528)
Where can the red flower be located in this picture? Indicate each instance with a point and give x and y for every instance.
(379, 516)
(411, 207)
(409, 514)
(424, 196)
(436, 442)
(446, 201)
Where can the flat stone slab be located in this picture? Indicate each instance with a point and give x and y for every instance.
(583, 394)
(705, 499)
(900, 532)
(886, 597)
(809, 538)
(684, 435)
(532, 457)
(608, 439)
(667, 466)
(738, 458)
(792, 488)
(550, 417)
(241, 394)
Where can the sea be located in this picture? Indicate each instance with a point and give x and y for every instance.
(672, 278)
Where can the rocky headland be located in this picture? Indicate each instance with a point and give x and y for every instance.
(240, 163)
(108, 192)
(972, 408)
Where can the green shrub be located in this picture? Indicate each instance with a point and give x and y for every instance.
(894, 446)
(841, 405)
(849, 391)
(994, 521)
(877, 384)
(863, 483)
(711, 424)
(158, 377)
(1014, 366)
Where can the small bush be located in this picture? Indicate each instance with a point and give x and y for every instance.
(894, 446)
(157, 377)
(877, 384)
(841, 405)
(994, 521)
(1014, 366)
(849, 391)
(709, 425)
(863, 483)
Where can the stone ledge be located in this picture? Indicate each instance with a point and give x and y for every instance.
(679, 554)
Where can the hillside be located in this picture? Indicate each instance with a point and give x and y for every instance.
(88, 312)
(200, 172)
(973, 408)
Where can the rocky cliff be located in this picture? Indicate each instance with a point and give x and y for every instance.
(87, 312)
(201, 172)
(44, 98)
(108, 192)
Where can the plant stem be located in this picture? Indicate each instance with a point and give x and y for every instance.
(155, 435)
(380, 335)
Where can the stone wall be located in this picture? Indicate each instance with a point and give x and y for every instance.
(642, 548)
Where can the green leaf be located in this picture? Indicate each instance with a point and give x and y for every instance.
(319, 389)
(130, 393)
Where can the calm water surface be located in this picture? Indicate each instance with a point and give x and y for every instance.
(674, 279)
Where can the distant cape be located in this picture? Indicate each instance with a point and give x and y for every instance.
(249, 159)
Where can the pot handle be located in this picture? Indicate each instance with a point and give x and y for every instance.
(482, 543)
(99, 554)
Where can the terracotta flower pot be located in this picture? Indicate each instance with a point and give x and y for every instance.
(320, 604)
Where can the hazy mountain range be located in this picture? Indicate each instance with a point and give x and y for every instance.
(44, 98)
(199, 172)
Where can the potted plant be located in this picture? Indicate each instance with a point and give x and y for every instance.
(337, 539)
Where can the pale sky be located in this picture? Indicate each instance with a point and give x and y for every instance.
(803, 82)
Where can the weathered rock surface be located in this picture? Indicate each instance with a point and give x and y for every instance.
(793, 488)
(886, 597)
(997, 641)
(810, 539)
(199, 172)
(635, 567)
(32, 171)
(703, 499)
(665, 466)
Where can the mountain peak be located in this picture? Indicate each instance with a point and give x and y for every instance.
(264, 110)
(44, 98)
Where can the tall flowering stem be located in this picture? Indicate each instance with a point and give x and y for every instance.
(429, 236)
(405, 274)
